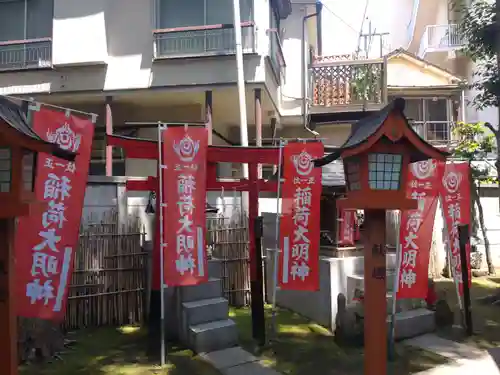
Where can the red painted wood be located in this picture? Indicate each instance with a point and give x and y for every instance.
(147, 149)
(8, 319)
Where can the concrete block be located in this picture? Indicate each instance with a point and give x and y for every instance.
(210, 289)
(413, 323)
(254, 368)
(230, 357)
(205, 310)
(209, 337)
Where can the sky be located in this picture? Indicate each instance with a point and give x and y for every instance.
(348, 26)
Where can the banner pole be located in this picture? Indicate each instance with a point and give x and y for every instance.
(448, 255)
(162, 245)
(395, 287)
(277, 239)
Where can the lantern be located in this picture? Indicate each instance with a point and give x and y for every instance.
(376, 158)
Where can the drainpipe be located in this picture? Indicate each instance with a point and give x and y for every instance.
(241, 94)
(319, 28)
(463, 106)
(240, 79)
(319, 7)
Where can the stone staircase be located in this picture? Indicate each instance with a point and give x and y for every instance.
(412, 317)
(204, 316)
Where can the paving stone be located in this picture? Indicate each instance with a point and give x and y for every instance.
(252, 368)
(446, 348)
(231, 357)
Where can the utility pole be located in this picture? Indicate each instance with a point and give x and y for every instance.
(368, 39)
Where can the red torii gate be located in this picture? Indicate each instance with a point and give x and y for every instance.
(137, 148)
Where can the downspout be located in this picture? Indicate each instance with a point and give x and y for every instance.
(319, 28)
(305, 116)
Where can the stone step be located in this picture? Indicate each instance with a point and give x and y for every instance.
(205, 310)
(404, 304)
(215, 268)
(217, 335)
(211, 289)
(413, 323)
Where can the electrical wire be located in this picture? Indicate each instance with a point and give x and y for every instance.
(358, 49)
(339, 18)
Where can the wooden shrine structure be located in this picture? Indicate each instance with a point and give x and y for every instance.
(137, 148)
(19, 145)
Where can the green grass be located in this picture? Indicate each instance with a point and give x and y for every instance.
(110, 351)
(486, 318)
(305, 348)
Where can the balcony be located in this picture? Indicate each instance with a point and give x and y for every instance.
(197, 41)
(342, 85)
(437, 133)
(26, 54)
(440, 38)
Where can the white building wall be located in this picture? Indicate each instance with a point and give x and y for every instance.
(108, 45)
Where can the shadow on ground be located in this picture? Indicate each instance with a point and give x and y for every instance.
(485, 314)
(107, 351)
(304, 348)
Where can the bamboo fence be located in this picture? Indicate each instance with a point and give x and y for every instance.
(109, 277)
(228, 240)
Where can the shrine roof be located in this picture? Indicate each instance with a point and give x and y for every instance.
(14, 117)
(368, 126)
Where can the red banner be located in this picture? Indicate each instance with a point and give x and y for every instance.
(299, 226)
(184, 158)
(347, 227)
(455, 197)
(46, 240)
(415, 235)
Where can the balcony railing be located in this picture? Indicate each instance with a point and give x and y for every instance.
(437, 133)
(26, 54)
(198, 41)
(340, 82)
(440, 38)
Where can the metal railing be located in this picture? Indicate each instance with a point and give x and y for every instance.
(441, 38)
(195, 41)
(338, 81)
(434, 132)
(26, 54)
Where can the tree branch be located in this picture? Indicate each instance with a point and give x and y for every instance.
(491, 128)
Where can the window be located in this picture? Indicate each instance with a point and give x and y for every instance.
(98, 157)
(182, 13)
(352, 173)
(25, 31)
(384, 171)
(196, 16)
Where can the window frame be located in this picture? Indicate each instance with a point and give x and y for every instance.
(159, 26)
(118, 163)
(24, 42)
